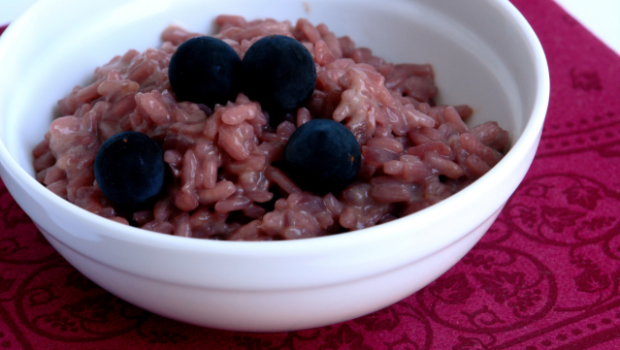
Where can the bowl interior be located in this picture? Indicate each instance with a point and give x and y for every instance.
(467, 44)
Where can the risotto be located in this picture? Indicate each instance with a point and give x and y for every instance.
(224, 181)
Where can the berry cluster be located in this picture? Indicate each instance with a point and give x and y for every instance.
(277, 71)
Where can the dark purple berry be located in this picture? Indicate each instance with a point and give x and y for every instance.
(129, 169)
(278, 72)
(205, 70)
(322, 156)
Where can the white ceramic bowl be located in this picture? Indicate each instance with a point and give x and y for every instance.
(484, 54)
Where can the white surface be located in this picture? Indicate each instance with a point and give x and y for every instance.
(600, 16)
(301, 309)
(11, 9)
(274, 286)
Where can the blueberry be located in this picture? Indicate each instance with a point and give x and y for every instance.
(322, 156)
(278, 72)
(205, 70)
(129, 168)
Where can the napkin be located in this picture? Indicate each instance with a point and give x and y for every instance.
(545, 276)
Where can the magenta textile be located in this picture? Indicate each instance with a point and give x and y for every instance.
(546, 276)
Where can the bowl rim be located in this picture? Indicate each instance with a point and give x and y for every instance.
(528, 139)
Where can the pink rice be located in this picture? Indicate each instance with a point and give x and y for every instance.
(415, 154)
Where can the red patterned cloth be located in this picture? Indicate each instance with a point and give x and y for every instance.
(546, 276)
